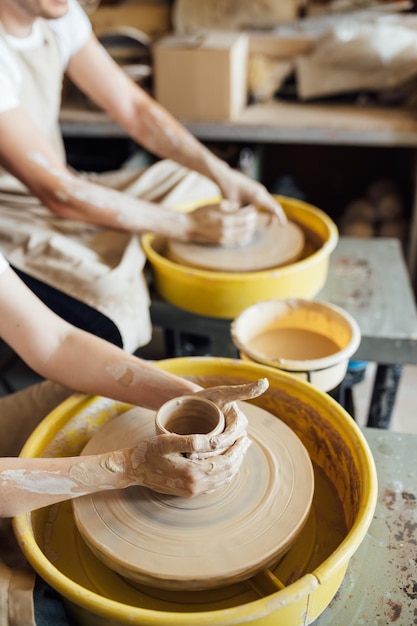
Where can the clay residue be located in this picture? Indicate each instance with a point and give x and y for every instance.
(38, 481)
(90, 415)
(402, 527)
(293, 344)
(355, 274)
(101, 475)
(125, 373)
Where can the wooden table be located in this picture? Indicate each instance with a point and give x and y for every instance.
(369, 279)
(380, 586)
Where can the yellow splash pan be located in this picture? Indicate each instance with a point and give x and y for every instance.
(226, 294)
(295, 591)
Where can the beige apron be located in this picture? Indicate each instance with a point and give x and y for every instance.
(100, 267)
(20, 413)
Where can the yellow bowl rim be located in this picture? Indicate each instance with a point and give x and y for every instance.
(307, 364)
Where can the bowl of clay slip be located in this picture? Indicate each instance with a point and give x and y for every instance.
(311, 340)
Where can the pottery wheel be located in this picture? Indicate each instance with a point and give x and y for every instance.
(272, 245)
(210, 540)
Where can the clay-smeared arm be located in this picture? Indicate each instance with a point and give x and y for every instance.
(76, 359)
(152, 126)
(158, 463)
(170, 464)
(29, 155)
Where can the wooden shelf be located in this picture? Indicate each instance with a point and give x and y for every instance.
(279, 122)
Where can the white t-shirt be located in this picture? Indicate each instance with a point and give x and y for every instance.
(72, 32)
(3, 263)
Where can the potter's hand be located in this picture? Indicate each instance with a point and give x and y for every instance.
(163, 463)
(224, 224)
(188, 465)
(239, 189)
(225, 397)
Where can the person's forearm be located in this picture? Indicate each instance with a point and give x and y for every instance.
(28, 484)
(143, 119)
(152, 126)
(157, 130)
(75, 358)
(71, 196)
(93, 366)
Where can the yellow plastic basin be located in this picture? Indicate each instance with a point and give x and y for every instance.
(225, 295)
(294, 592)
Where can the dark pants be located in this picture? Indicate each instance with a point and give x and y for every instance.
(73, 311)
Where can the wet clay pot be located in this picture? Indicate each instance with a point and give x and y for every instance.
(189, 415)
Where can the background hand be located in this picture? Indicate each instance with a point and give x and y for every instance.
(224, 224)
(242, 190)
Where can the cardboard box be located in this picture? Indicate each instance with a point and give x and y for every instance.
(202, 77)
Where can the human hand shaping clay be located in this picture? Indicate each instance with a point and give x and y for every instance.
(182, 465)
(224, 224)
(189, 465)
(161, 463)
(240, 190)
(165, 464)
(228, 223)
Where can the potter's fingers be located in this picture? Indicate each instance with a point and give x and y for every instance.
(223, 450)
(179, 475)
(226, 463)
(194, 476)
(237, 210)
(225, 394)
(235, 454)
(177, 444)
(272, 206)
(236, 421)
(238, 229)
(210, 224)
(223, 467)
(236, 426)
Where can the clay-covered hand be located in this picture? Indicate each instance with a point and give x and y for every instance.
(223, 224)
(163, 464)
(241, 190)
(225, 397)
(189, 465)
